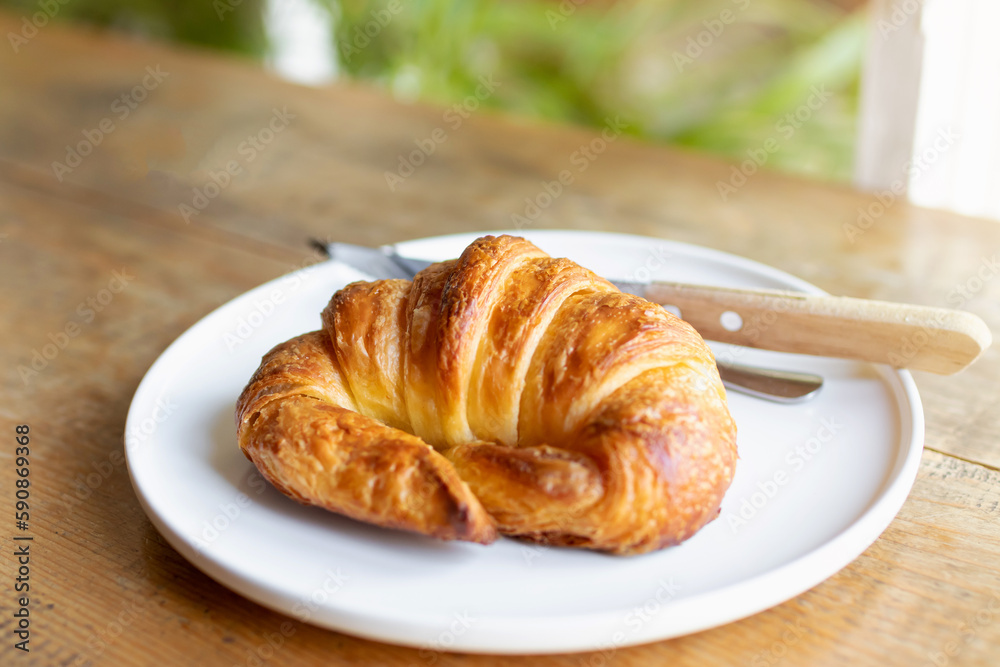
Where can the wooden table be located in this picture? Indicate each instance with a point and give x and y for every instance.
(101, 271)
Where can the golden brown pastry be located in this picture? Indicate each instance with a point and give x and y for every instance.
(503, 392)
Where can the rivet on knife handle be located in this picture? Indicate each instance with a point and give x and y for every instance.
(938, 340)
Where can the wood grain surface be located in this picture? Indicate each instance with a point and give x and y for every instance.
(106, 251)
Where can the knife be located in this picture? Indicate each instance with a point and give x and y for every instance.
(773, 385)
(939, 340)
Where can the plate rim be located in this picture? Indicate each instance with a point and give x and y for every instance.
(497, 639)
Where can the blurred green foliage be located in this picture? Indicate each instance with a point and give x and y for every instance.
(195, 22)
(718, 75)
(715, 75)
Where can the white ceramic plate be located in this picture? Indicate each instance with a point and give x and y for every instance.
(815, 485)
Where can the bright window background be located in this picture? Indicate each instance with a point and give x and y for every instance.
(930, 104)
(959, 99)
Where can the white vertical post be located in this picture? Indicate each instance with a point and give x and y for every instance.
(889, 92)
(930, 104)
(300, 33)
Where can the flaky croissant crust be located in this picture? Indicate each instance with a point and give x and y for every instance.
(505, 391)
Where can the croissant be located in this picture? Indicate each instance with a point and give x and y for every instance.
(503, 392)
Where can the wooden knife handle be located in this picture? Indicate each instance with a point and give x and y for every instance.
(938, 340)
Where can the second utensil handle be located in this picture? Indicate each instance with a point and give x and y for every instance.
(938, 340)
